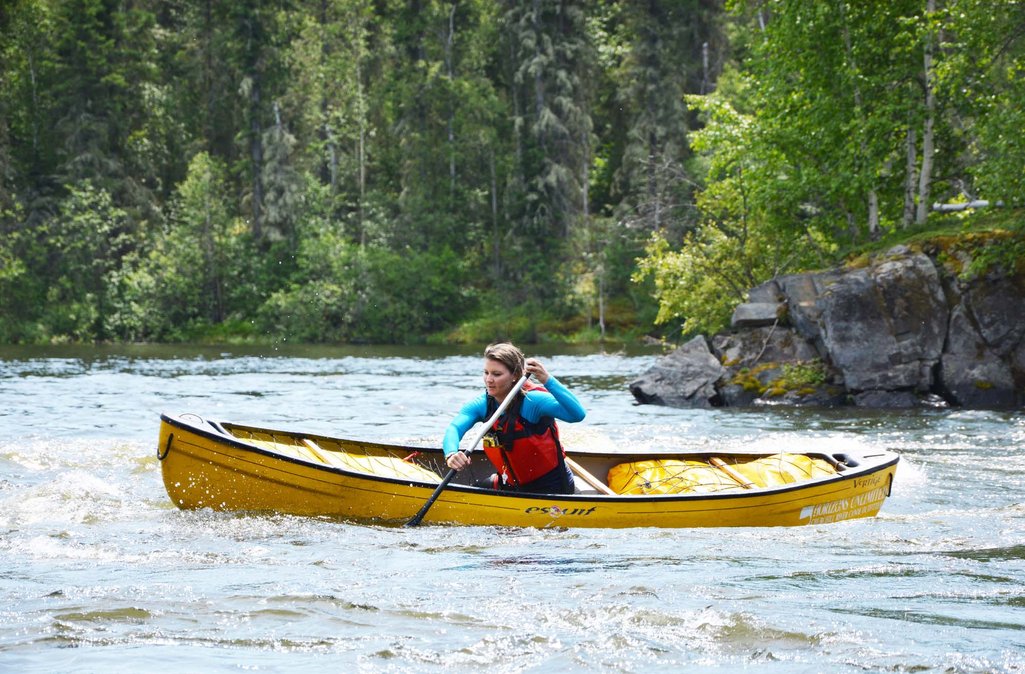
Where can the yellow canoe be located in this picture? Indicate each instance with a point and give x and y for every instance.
(225, 466)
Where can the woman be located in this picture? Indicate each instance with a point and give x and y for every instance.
(524, 443)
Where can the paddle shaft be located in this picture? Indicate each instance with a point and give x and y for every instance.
(513, 392)
(737, 477)
(590, 479)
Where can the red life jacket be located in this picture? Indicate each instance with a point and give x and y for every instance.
(522, 451)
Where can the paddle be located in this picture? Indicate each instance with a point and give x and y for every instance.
(586, 476)
(417, 518)
(737, 477)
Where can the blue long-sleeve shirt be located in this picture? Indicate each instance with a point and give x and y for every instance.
(557, 402)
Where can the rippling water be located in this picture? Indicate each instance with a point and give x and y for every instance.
(100, 573)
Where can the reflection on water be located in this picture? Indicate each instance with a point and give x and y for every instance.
(99, 572)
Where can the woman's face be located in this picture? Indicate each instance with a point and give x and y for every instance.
(497, 378)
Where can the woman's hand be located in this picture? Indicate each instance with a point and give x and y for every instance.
(457, 460)
(533, 366)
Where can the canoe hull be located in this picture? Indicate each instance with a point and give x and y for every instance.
(205, 466)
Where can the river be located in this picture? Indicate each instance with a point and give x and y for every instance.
(99, 572)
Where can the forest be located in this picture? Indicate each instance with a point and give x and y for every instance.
(404, 171)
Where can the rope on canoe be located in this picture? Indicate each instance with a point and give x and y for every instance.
(167, 448)
(683, 476)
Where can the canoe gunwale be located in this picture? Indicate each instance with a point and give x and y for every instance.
(214, 431)
(223, 436)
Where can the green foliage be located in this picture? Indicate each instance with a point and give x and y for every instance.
(195, 270)
(370, 170)
(531, 324)
(983, 71)
(514, 325)
(806, 374)
(82, 271)
(693, 283)
(1006, 254)
(827, 156)
(832, 107)
(13, 285)
(739, 241)
(973, 254)
(775, 379)
(348, 293)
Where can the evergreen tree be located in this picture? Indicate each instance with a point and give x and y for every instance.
(550, 57)
(382, 169)
(668, 39)
(327, 103)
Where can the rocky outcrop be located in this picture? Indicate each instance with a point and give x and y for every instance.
(900, 331)
(684, 378)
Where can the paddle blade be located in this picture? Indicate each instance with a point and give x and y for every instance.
(417, 518)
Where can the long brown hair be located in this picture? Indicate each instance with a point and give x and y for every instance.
(508, 355)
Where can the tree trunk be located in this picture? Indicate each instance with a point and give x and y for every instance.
(495, 238)
(450, 123)
(256, 156)
(208, 78)
(361, 158)
(539, 87)
(36, 116)
(210, 253)
(654, 189)
(705, 80)
(329, 173)
(910, 178)
(597, 251)
(873, 214)
(925, 175)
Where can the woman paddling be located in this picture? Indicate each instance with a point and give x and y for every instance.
(524, 443)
